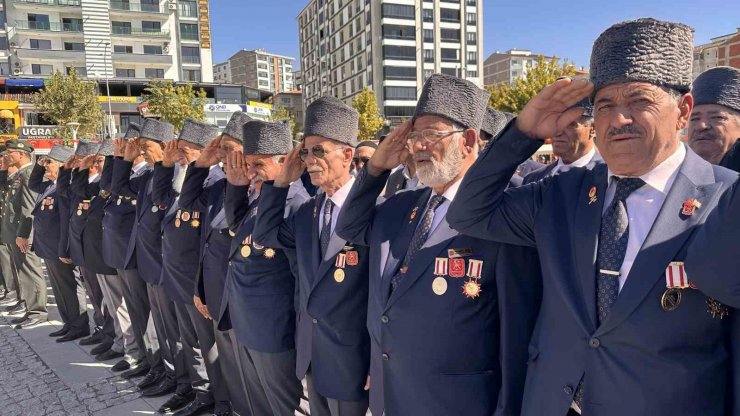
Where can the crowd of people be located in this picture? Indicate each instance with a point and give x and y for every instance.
(439, 272)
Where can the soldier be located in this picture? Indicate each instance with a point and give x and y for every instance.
(180, 257)
(10, 279)
(622, 329)
(50, 217)
(478, 304)
(203, 191)
(260, 288)
(16, 233)
(332, 343)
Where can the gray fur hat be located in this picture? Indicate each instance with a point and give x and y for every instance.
(159, 131)
(86, 148)
(719, 85)
(198, 133)
(644, 50)
(235, 127)
(331, 118)
(455, 99)
(132, 132)
(265, 138)
(106, 147)
(60, 153)
(494, 122)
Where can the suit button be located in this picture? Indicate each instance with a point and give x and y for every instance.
(384, 319)
(314, 320)
(568, 390)
(594, 343)
(386, 357)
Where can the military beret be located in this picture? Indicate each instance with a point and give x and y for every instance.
(367, 143)
(644, 50)
(159, 131)
(235, 127)
(133, 131)
(14, 144)
(453, 98)
(87, 148)
(332, 119)
(106, 147)
(267, 138)
(60, 153)
(494, 122)
(719, 85)
(198, 133)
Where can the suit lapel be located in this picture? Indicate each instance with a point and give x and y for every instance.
(586, 226)
(315, 242)
(670, 231)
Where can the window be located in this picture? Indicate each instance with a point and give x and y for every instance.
(123, 49)
(427, 15)
(187, 8)
(399, 32)
(472, 74)
(472, 38)
(450, 55)
(398, 11)
(150, 5)
(428, 35)
(449, 15)
(400, 93)
(189, 31)
(154, 73)
(228, 95)
(192, 75)
(71, 25)
(429, 55)
(121, 28)
(262, 66)
(152, 50)
(4, 43)
(393, 111)
(450, 35)
(450, 71)
(471, 18)
(38, 69)
(190, 54)
(74, 46)
(38, 21)
(125, 73)
(407, 53)
(127, 119)
(472, 58)
(428, 73)
(263, 83)
(40, 44)
(151, 26)
(81, 70)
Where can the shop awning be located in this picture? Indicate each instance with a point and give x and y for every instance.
(24, 82)
(6, 114)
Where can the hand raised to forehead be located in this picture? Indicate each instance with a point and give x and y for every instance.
(209, 156)
(132, 150)
(292, 169)
(550, 110)
(171, 154)
(237, 172)
(392, 151)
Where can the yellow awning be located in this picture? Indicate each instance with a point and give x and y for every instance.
(6, 114)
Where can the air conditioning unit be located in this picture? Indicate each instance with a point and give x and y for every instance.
(17, 64)
(172, 1)
(166, 49)
(17, 71)
(172, 6)
(13, 44)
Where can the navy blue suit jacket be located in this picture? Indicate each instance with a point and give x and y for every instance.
(642, 360)
(546, 171)
(331, 334)
(49, 221)
(449, 353)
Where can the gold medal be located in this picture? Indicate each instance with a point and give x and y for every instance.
(246, 251)
(717, 309)
(185, 216)
(195, 223)
(177, 223)
(339, 275)
(133, 202)
(232, 233)
(439, 286)
(671, 299)
(471, 289)
(79, 212)
(269, 253)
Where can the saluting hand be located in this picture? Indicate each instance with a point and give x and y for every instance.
(70, 163)
(547, 112)
(209, 156)
(392, 152)
(293, 168)
(119, 146)
(171, 154)
(86, 162)
(236, 169)
(132, 151)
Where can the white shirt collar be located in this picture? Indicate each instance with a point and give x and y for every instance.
(450, 193)
(341, 194)
(580, 162)
(139, 166)
(662, 176)
(92, 178)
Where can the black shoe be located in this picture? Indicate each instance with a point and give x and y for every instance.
(29, 322)
(96, 338)
(222, 409)
(20, 319)
(177, 401)
(166, 386)
(108, 355)
(17, 308)
(195, 407)
(101, 348)
(74, 334)
(138, 369)
(121, 366)
(60, 332)
(151, 379)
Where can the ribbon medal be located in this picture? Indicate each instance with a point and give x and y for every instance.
(340, 263)
(457, 268)
(675, 281)
(440, 266)
(471, 288)
(195, 223)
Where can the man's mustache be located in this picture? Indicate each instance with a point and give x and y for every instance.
(628, 129)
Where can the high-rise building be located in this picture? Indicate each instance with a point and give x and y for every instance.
(392, 46)
(257, 69)
(504, 68)
(721, 51)
(144, 39)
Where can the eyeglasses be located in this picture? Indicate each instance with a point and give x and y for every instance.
(98, 161)
(429, 135)
(360, 159)
(318, 151)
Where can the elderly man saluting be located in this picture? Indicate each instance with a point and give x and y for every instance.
(622, 330)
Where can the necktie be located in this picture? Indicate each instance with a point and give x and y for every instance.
(613, 239)
(420, 237)
(326, 227)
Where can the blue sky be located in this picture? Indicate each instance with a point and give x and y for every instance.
(563, 28)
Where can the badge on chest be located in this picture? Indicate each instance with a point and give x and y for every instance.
(458, 268)
(677, 283)
(348, 257)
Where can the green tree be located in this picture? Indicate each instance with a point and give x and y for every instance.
(175, 103)
(69, 98)
(370, 119)
(282, 113)
(514, 97)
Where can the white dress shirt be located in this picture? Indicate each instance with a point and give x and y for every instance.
(92, 178)
(412, 183)
(644, 204)
(582, 161)
(137, 169)
(338, 200)
(441, 210)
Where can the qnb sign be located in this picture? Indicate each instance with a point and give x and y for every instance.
(39, 132)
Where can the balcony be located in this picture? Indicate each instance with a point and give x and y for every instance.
(44, 4)
(139, 33)
(51, 54)
(119, 8)
(48, 26)
(140, 58)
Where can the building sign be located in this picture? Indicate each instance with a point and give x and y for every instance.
(204, 23)
(261, 112)
(39, 132)
(119, 100)
(259, 104)
(222, 108)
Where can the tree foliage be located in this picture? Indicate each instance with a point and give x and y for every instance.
(282, 113)
(175, 103)
(370, 119)
(70, 98)
(512, 98)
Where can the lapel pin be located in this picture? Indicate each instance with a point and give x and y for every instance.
(690, 206)
(592, 195)
(413, 214)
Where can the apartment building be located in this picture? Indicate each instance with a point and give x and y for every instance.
(258, 69)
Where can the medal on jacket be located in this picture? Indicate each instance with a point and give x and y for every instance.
(177, 218)
(246, 250)
(340, 263)
(118, 201)
(471, 288)
(592, 195)
(353, 258)
(457, 268)
(79, 209)
(195, 223)
(689, 207)
(717, 309)
(413, 214)
(269, 253)
(675, 281)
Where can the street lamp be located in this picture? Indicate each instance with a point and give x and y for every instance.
(107, 87)
(74, 126)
